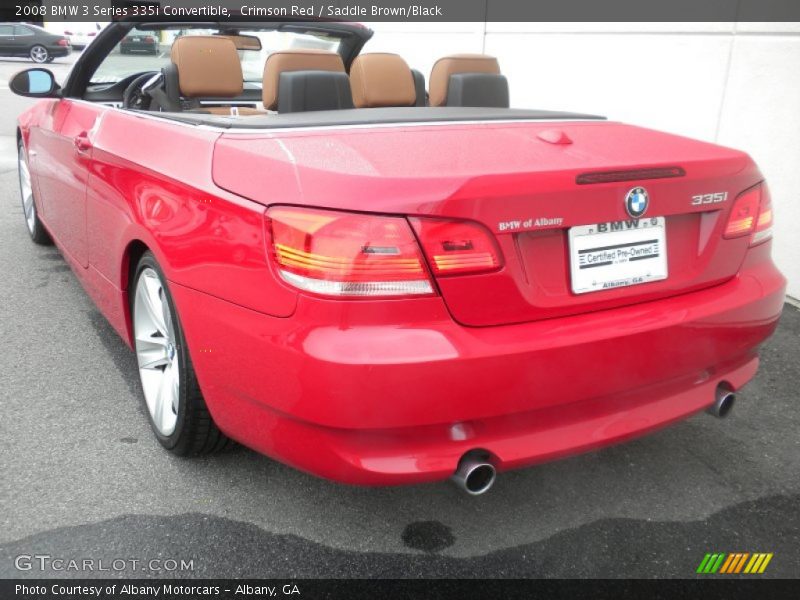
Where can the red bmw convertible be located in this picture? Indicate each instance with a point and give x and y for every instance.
(380, 277)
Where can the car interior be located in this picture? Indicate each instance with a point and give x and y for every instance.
(204, 76)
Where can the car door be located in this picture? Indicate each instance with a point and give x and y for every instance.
(6, 39)
(63, 147)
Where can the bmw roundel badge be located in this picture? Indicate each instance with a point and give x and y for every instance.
(636, 202)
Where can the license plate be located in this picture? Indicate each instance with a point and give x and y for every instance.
(611, 255)
(135, 39)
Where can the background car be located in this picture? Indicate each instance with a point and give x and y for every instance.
(140, 41)
(81, 34)
(22, 39)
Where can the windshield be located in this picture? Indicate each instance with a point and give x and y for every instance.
(148, 50)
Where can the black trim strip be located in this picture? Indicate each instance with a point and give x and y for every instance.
(617, 246)
(602, 264)
(656, 255)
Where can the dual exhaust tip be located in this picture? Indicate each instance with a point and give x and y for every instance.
(476, 475)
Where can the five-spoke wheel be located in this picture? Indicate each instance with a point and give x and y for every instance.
(39, 54)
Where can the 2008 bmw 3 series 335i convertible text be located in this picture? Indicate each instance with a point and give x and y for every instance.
(383, 278)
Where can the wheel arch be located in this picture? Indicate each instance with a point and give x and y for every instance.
(133, 252)
(138, 242)
(130, 258)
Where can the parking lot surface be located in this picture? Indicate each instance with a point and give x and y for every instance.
(83, 477)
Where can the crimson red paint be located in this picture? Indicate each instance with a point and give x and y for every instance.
(499, 355)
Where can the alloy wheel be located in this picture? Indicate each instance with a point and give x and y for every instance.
(39, 54)
(26, 191)
(156, 351)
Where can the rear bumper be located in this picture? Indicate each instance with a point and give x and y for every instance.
(139, 47)
(396, 392)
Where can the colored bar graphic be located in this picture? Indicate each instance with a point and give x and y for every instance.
(734, 563)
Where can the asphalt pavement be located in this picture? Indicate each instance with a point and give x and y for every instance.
(83, 477)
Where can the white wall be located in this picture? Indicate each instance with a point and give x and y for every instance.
(736, 84)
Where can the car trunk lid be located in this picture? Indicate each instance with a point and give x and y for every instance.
(527, 182)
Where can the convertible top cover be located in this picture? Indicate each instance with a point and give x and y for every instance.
(375, 116)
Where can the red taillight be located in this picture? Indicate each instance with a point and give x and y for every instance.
(67, 33)
(63, 42)
(344, 254)
(456, 247)
(149, 39)
(751, 214)
(92, 34)
(742, 220)
(764, 222)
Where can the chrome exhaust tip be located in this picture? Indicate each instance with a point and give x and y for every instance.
(474, 476)
(723, 402)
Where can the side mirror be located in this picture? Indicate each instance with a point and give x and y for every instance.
(35, 83)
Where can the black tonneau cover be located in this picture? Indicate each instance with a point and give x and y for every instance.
(374, 116)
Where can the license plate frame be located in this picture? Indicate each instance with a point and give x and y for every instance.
(616, 254)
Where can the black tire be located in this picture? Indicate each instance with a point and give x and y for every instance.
(195, 432)
(37, 231)
(38, 54)
(51, 59)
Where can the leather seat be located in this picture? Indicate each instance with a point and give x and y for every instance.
(468, 80)
(205, 66)
(382, 79)
(305, 79)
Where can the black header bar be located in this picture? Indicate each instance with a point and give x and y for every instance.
(405, 10)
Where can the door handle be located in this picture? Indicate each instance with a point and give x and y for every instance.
(82, 142)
